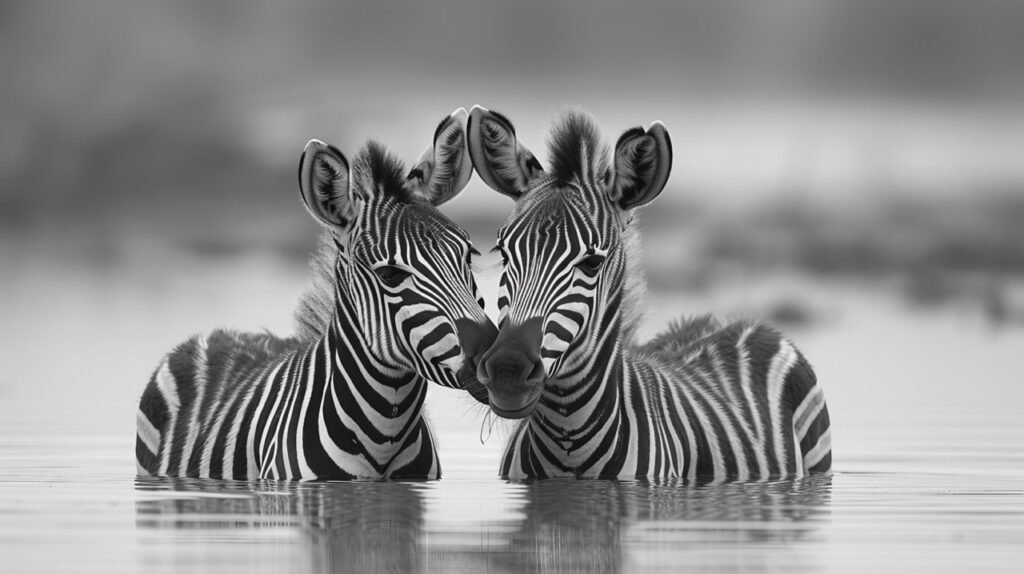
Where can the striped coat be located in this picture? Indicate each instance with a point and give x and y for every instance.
(394, 307)
(739, 402)
(700, 402)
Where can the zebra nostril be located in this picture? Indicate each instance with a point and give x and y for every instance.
(475, 338)
(513, 357)
(537, 374)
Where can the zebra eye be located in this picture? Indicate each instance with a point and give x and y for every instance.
(390, 275)
(504, 258)
(591, 264)
(471, 255)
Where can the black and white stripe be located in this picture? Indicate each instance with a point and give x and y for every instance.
(344, 400)
(741, 403)
(701, 402)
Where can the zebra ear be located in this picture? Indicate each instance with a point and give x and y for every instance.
(502, 161)
(325, 185)
(643, 161)
(444, 168)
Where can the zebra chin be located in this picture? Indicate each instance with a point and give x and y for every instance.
(513, 393)
(513, 412)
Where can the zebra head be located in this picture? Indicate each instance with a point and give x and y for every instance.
(563, 248)
(402, 272)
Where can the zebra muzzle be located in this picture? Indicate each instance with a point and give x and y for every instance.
(512, 371)
(475, 339)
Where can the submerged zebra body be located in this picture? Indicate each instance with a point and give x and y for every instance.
(701, 402)
(731, 406)
(394, 307)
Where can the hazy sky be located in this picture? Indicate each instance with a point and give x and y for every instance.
(149, 83)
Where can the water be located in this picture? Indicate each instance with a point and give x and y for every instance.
(76, 507)
(926, 406)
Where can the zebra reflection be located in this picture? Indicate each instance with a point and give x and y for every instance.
(609, 526)
(342, 526)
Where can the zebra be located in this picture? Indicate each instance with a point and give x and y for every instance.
(394, 304)
(703, 402)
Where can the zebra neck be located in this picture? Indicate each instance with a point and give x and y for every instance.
(394, 392)
(582, 403)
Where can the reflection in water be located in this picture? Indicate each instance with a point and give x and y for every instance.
(348, 527)
(571, 526)
(562, 525)
(584, 526)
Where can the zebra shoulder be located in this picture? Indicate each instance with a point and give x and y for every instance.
(770, 354)
(215, 357)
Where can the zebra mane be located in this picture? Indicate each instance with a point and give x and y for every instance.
(315, 307)
(634, 285)
(575, 148)
(375, 168)
(680, 335)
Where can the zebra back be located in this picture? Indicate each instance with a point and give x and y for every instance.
(755, 393)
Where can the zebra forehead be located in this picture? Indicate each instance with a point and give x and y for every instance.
(419, 223)
(565, 210)
(424, 220)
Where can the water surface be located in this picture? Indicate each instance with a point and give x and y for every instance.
(926, 408)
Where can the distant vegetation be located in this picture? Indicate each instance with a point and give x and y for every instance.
(967, 248)
(909, 234)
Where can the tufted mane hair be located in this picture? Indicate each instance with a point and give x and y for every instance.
(575, 147)
(375, 166)
(634, 286)
(315, 307)
(681, 336)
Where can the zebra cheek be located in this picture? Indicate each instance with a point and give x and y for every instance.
(454, 364)
(551, 349)
(549, 364)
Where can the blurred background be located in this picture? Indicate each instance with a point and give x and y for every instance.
(851, 170)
